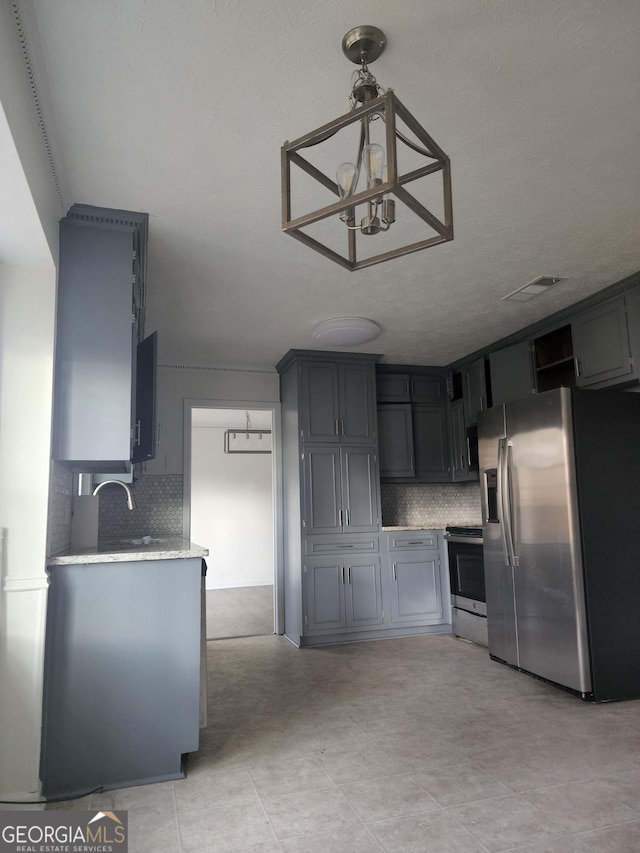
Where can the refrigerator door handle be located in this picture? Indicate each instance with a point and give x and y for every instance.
(515, 559)
(502, 520)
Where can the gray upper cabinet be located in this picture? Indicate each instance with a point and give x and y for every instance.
(459, 456)
(427, 386)
(395, 440)
(632, 304)
(145, 427)
(320, 420)
(601, 345)
(340, 489)
(393, 388)
(360, 490)
(511, 373)
(430, 441)
(99, 310)
(413, 442)
(474, 390)
(338, 402)
(412, 425)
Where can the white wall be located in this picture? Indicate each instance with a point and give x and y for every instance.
(27, 301)
(34, 202)
(177, 383)
(231, 511)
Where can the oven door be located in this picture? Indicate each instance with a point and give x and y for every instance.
(466, 573)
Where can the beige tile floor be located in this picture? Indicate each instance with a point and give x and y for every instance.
(239, 612)
(401, 745)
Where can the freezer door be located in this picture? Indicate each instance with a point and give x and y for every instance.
(547, 560)
(498, 573)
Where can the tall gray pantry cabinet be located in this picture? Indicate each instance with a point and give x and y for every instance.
(333, 581)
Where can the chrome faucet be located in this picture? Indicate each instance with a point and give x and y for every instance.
(130, 502)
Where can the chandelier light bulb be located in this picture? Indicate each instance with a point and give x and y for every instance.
(374, 160)
(345, 176)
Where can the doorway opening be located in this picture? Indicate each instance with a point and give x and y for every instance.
(232, 510)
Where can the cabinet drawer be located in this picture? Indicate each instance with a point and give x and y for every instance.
(412, 540)
(343, 545)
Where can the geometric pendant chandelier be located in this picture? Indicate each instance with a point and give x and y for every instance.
(372, 184)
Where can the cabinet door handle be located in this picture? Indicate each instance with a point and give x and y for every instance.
(345, 546)
(346, 518)
(412, 464)
(342, 427)
(578, 367)
(340, 524)
(337, 427)
(349, 574)
(137, 438)
(395, 572)
(343, 574)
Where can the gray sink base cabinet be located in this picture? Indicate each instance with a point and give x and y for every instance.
(122, 674)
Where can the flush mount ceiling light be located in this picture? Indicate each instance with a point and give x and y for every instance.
(376, 151)
(533, 288)
(346, 331)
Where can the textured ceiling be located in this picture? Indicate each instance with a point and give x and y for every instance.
(179, 108)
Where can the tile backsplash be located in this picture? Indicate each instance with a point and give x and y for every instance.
(433, 505)
(158, 508)
(60, 501)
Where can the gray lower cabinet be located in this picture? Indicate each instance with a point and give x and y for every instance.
(122, 674)
(353, 591)
(415, 573)
(342, 594)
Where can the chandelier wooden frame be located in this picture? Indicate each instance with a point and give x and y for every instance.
(389, 107)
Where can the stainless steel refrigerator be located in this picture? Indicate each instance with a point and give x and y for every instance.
(560, 488)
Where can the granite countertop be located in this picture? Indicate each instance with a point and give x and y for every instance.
(130, 550)
(411, 527)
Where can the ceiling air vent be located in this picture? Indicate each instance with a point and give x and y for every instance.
(534, 288)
